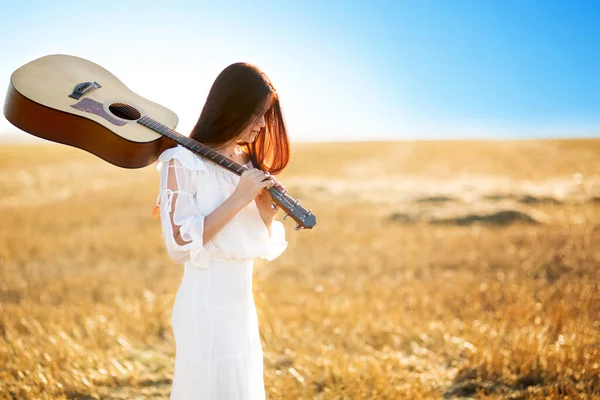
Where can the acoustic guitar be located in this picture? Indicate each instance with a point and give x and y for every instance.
(71, 100)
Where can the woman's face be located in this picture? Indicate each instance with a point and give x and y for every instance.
(251, 132)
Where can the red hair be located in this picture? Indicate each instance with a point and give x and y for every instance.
(240, 94)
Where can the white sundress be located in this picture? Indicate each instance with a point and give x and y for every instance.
(219, 353)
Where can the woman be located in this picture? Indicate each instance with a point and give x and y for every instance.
(217, 223)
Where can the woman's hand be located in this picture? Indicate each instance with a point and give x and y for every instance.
(252, 182)
(264, 200)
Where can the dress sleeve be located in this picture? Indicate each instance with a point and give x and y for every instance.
(180, 178)
(276, 243)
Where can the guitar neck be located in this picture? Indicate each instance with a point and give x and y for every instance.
(303, 217)
(193, 145)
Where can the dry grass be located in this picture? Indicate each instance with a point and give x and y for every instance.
(366, 305)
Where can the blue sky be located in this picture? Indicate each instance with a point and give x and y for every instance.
(345, 70)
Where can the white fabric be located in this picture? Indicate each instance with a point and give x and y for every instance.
(219, 354)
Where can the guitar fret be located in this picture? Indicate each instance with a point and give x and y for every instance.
(191, 144)
(294, 210)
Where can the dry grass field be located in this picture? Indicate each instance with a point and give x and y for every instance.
(436, 270)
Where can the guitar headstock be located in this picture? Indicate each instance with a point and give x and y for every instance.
(304, 218)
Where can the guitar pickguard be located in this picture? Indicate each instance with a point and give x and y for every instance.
(97, 108)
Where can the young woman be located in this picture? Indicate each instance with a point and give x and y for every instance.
(217, 223)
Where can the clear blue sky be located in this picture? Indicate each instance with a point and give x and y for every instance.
(345, 69)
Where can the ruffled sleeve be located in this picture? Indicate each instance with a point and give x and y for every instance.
(181, 174)
(275, 243)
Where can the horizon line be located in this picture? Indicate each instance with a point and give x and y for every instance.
(26, 138)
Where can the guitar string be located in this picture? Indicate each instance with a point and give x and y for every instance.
(132, 113)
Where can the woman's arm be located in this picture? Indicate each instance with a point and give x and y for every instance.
(263, 202)
(251, 183)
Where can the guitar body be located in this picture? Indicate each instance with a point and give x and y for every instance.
(55, 97)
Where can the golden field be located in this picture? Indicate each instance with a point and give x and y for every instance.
(436, 270)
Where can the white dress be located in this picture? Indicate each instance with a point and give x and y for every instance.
(219, 354)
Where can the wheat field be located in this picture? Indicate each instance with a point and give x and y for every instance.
(436, 270)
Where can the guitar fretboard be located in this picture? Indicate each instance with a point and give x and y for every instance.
(193, 145)
(291, 206)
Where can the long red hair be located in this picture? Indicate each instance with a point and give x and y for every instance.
(240, 94)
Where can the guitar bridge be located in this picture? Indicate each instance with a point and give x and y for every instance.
(83, 88)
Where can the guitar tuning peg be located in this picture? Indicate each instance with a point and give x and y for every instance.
(297, 227)
(298, 201)
(286, 216)
(309, 212)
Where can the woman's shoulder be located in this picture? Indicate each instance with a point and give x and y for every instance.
(184, 156)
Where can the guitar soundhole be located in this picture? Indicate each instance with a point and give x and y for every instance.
(124, 111)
